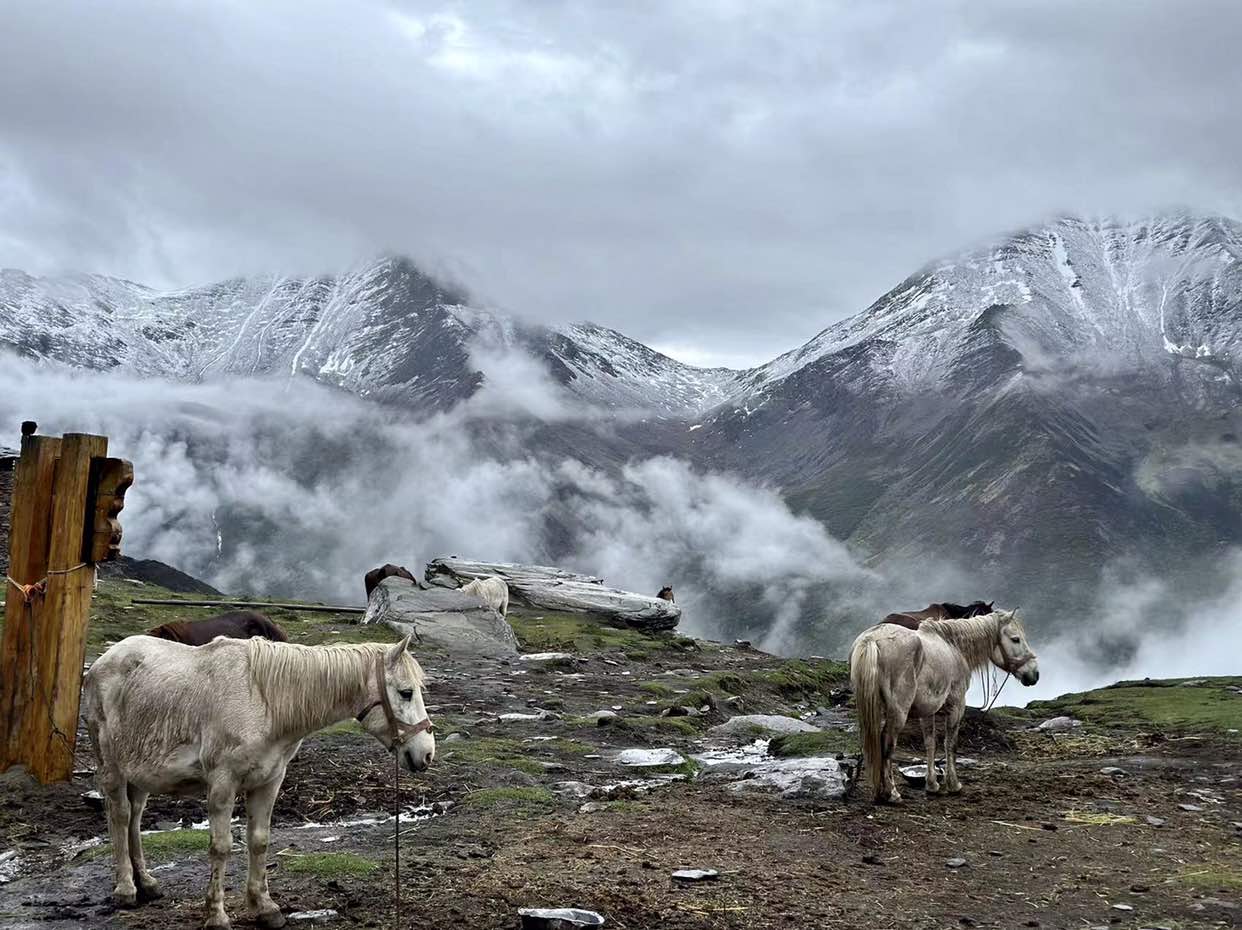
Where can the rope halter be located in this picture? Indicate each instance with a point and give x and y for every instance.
(399, 732)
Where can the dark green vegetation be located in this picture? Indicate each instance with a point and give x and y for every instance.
(827, 743)
(329, 865)
(544, 631)
(1198, 705)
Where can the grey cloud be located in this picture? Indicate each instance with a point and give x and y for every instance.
(727, 177)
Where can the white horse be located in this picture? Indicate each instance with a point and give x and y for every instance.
(226, 718)
(899, 673)
(492, 591)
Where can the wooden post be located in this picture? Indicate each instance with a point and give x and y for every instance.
(30, 526)
(65, 501)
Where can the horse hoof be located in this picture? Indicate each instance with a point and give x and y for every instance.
(150, 891)
(126, 899)
(272, 920)
(216, 923)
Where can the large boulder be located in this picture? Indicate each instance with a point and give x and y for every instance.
(441, 617)
(549, 588)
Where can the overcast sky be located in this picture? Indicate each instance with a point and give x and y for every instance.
(718, 179)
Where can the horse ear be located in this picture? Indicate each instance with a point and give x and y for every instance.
(397, 650)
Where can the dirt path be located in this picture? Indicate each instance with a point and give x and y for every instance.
(1047, 838)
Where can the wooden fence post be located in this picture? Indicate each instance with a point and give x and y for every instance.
(66, 496)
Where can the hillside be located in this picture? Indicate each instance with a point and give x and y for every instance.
(1131, 809)
(1014, 420)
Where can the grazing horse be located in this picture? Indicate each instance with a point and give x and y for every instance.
(372, 578)
(237, 624)
(911, 619)
(492, 591)
(226, 718)
(897, 673)
(666, 594)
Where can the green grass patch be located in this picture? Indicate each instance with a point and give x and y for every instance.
(580, 633)
(656, 688)
(495, 751)
(520, 798)
(646, 726)
(330, 865)
(826, 743)
(1213, 877)
(1167, 705)
(172, 844)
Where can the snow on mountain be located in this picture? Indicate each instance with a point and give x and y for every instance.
(1071, 290)
(384, 330)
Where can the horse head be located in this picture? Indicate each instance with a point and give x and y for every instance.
(1012, 652)
(404, 726)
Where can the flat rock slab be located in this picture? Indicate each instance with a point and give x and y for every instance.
(549, 588)
(450, 619)
(649, 758)
(752, 770)
(747, 724)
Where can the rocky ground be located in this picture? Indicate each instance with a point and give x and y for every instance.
(1131, 819)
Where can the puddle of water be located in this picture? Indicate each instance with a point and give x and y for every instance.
(413, 815)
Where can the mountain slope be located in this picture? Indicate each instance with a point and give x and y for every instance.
(385, 331)
(1028, 412)
(1032, 411)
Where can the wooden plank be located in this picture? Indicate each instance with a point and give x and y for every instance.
(61, 636)
(309, 608)
(110, 479)
(30, 530)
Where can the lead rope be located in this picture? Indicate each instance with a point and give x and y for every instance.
(997, 693)
(396, 834)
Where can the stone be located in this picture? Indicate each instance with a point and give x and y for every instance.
(956, 862)
(593, 807)
(558, 918)
(575, 789)
(1112, 770)
(93, 799)
(649, 758)
(452, 620)
(320, 916)
(746, 724)
(454, 737)
(752, 770)
(547, 657)
(695, 875)
(1059, 724)
(602, 717)
(539, 714)
(1123, 907)
(550, 588)
(1154, 821)
(1193, 808)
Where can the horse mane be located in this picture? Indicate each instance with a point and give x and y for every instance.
(303, 685)
(973, 637)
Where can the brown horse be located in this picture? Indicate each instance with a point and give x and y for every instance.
(666, 594)
(376, 575)
(912, 619)
(237, 624)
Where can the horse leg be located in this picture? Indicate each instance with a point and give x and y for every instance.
(952, 723)
(259, 803)
(220, 800)
(894, 722)
(112, 786)
(928, 725)
(148, 887)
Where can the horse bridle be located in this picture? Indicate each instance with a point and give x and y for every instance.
(399, 732)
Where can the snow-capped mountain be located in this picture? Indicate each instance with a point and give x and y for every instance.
(1033, 409)
(385, 330)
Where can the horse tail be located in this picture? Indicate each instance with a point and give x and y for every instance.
(865, 680)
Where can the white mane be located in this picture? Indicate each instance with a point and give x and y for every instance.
(301, 685)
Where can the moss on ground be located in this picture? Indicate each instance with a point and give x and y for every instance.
(494, 751)
(646, 726)
(1201, 705)
(545, 631)
(329, 865)
(114, 615)
(826, 743)
(1213, 878)
(529, 799)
